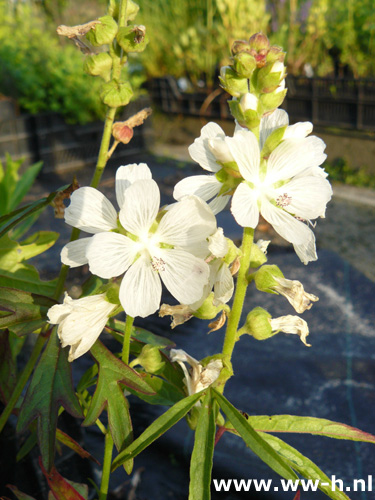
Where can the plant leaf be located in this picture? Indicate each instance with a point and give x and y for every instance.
(203, 451)
(8, 367)
(156, 429)
(36, 244)
(166, 393)
(304, 466)
(109, 393)
(24, 184)
(60, 487)
(140, 334)
(253, 440)
(23, 312)
(50, 387)
(73, 445)
(309, 425)
(17, 493)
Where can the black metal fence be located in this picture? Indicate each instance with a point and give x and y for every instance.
(46, 137)
(327, 102)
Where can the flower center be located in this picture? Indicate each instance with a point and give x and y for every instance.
(283, 200)
(157, 264)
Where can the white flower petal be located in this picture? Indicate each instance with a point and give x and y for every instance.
(126, 175)
(184, 275)
(245, 151)
(220, 150)
(291, 230)
(140, 207)
(219, 203)
(110, 254)
(204, 186)
(224, 285)
(188, 222)
(293, 156)
(140, 290)
(279, 118)
(74, 253)
(309, 196)
(298, 130)
(201, 152)
(245, 206)
(217, 243)
(90, 211)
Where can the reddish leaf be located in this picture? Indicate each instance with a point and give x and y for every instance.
(60, 487)
(51, 386)
(73, 445)
(18, 493)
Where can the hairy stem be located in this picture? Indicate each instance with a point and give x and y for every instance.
(239, 297)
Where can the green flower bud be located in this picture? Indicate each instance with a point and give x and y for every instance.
(258, 324)
(151, 359)
(244, 64)
(265, 278)
(103, 33)
(132, 38)
(249, 118)
(259, 42)
(115, 94)
(240, 46)
(131, 9)
(99, 65)
(257, 257)
(207, 310)
(275, 54)
(232, 83)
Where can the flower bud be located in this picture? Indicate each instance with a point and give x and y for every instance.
(99, 65)
(115, 94)
(249, 119)
(258, 324)
(273, 100)
(122, 133)
(150, 358)
(244, 64)
(259, 48)
(103, 33)
(231, 82)
(240, 46)
(248, 102)
(265, 278)
(131, 9)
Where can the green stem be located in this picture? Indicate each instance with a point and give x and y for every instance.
(22, 380)
(107, 462)
(126, 342)
(239, 297)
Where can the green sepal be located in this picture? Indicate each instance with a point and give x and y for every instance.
(273, 100)
(150, 359)
(131, 9)
(257, 257)
(253, 439)
(23, 312)
(258, 325)
(249, 119)
(233, 252)
(208, 310)
(266, 81)
(103, 33)
(115, 94)
(202, 456)
(272, 141)
(99, 65)
(233, 84)
(51, 387)
(127, 40)
(244, 64)
(265, 278)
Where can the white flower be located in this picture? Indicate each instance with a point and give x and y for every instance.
(248, 101)
(148, 249)
(294, 292)
(80, 321)
(200, 377)
(92, 212)
(285, 189)
(291, 324)
(210, 151)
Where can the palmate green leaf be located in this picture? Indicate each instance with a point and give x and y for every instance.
(157, 429)
(309, 425)
(303, 466)
(50, 387)
(203, 451)
(253, 439)
(110, 394)
(23, 312)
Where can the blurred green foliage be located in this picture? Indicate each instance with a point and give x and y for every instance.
(339, 170)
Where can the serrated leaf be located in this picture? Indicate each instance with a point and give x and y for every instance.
(73, 445)
(203, 451)
(253, 439)
(110, 394)
(61, 488)
(309, 425)
(8, 367)
(157, 429)
(51, 387)
(23, 312)
(304, 466)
